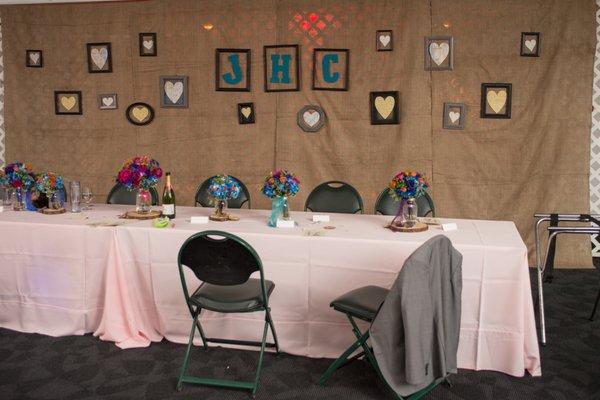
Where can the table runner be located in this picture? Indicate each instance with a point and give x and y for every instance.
(122, 282)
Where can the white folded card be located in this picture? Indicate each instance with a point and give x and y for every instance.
(320, 218)
(285, 224)
(1, 208)
(199, 220)
(450, 226)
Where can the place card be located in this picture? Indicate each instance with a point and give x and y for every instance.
(320, 218)
(1, 208)
(450, 226)
(199, 220)
(285, 224)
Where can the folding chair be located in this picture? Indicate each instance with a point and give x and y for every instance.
(224, 263)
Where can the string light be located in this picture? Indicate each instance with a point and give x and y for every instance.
(208, 26)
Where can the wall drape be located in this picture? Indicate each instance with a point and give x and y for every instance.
(494, 169)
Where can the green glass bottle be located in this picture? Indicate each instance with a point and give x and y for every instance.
(168, 199)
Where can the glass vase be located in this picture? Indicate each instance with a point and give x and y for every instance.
(55, 201)
(410, 213)
(18, 199)
(285, 209)
(278, 207)
(143, 201)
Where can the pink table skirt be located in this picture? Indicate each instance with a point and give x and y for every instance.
(63, 275)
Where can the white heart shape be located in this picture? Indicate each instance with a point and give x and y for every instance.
(454, 116)
(311, 117)
(148, 44)
(385, 39)
(99, 56)
(530, 44)
(34, 57)
(108, 101)
(439, 52)
(174, 90)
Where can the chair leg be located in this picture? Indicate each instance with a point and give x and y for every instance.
(201, 331)
(341, 360)
(595, 305)
(186, 359)
(270, 321)
(260, 357)
(542, 317)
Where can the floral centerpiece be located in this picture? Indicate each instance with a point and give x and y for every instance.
(405, 187)
(141, 173)
(48, 184)
(279, 185)
(19, 176)
(222, 188)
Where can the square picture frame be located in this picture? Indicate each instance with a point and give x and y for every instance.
(495, 104)
(439, 53)
(385, 107)
(148, 45)
(233, 70)
(289, 55)
(454, 116)
(173, 91)
(530, 44)
(331, 65)
(107, 101)
(384, 40)
(246, 113)
(99, 58)
(34, 58)
(68, 102)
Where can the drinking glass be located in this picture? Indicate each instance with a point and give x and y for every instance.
(6, 194)
(86, 195)
(75, 196)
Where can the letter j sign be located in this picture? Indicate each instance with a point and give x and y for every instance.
(330, 69)
(232, 70)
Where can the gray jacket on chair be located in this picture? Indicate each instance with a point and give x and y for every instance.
(415, 334)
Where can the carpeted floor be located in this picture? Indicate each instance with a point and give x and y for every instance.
(83, 367)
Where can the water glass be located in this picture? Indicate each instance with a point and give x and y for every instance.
(6, 194)
(75, 197)
(87, 197)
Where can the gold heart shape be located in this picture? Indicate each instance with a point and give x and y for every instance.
(246, 111)
(496, 99)
(140, 113)
(385, 106)
(68, 102)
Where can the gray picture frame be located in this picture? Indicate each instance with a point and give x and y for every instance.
(305, 125)
(167, 95)
(102, 104)
(447, 122)
(447, 63)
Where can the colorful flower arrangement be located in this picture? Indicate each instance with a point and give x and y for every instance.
(280, 183)
(224, 187)
(139, 172)
(48, 183)
(407, 184)
(18, 175)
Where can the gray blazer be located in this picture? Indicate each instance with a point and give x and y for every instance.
(415, 334)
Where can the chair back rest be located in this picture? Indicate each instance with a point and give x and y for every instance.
(119, 194)
(219, 258)
(335, 197)
(387, 205)
(203, 199)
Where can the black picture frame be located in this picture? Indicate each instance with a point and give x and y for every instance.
(296, 50)
(145, 121)
(218, 86)
(165, 100)
(525, 51)
(429, 64)
(243, 119)
(108, 62)
(346, 69)
(30, 63)
(447, 122)
(79, 102)
(393, 118)
(379, 46)
(485, 87)
(144, 51)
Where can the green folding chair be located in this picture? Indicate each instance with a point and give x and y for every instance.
(224, 263)
(364, 303)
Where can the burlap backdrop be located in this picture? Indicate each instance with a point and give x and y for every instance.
(494, 169)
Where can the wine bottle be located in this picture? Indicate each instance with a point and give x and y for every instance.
(168, 199)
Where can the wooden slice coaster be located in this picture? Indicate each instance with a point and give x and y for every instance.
(52, 211)
(223, 218)
(418, 227)
(136, 215)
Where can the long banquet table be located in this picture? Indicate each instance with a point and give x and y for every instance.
(92, 272)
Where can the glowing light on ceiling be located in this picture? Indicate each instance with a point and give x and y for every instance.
(208, 26)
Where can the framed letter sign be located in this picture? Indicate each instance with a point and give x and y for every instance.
(232, 70)
(282, 68)
(330, 69)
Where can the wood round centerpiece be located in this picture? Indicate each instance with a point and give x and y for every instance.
(418, 227)
(52, 211)
(137, 215)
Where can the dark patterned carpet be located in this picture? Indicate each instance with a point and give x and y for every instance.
(83, 367)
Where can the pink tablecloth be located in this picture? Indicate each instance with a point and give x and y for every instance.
(61, 276)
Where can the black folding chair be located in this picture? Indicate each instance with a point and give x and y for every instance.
(335, 197)
(224, 263)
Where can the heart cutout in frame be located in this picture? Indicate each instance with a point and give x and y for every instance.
(311, 118)
(67, 103)
(245, 113)
(99, 57)
(140, 114)
(496, 100)
(384, 40)
(384, 108)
